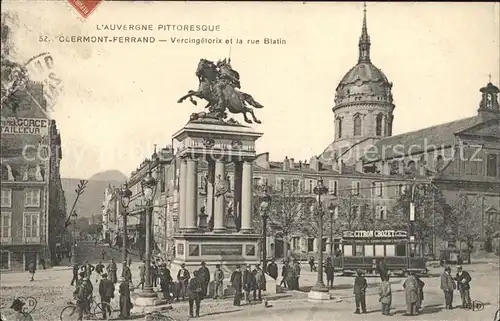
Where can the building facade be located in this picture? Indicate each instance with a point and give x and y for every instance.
(33, 206)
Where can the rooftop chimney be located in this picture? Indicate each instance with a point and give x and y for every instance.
(292, 163)
(286, 164)
(386, 168)
(300, 164)
(313, 163)
(340, 166)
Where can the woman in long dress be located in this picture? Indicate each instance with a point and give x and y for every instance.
(125, 302)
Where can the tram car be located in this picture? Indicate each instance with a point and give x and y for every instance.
(365, 249)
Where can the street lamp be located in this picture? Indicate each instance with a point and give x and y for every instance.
(148, 191)
(125, 195)
(319, 290)
(73, 246)
(331, 210)
(264, 213)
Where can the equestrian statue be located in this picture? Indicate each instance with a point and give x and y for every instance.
(219, 85)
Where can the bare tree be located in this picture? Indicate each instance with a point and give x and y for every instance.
(286, 212)
(80, 189)
(464, 224)
(348, 211)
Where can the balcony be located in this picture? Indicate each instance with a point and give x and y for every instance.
(32, 240)
(5, 240)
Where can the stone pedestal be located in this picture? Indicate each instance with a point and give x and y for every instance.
(315, 296)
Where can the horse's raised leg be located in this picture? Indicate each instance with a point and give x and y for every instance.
(250, 110)
(189, 94)
(246, 118)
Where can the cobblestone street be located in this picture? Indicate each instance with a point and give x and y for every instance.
(51, 289)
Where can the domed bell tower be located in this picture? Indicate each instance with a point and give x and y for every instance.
(363, 110)
(489, 107)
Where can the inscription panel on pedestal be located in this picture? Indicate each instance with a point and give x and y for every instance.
(250, 250)
(221, 249)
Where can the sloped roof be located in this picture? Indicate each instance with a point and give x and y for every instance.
(417, 141)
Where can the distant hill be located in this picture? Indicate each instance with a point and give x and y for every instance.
(90, 203)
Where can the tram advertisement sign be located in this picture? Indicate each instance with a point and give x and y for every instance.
(375, 234)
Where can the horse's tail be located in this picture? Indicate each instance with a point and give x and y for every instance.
(248, 98)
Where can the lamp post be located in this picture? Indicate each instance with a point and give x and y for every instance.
(148, 190)
(73, 245)
(331, 210)
(319, 291)
(125, 195)
(264, 213)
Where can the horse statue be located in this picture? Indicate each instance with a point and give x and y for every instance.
(218, 85)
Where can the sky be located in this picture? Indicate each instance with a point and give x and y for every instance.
(119, 99)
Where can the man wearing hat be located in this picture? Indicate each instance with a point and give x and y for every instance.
(17, 306)
(183, 278)
(463, 279)
(237, 283)
(359, 291)
(107, 292)
(126, 274)
(80, 295)
(248, 282)
(204, 275)
(448, 286)
(125, 302)
(112, 271)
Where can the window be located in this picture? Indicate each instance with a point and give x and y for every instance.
(359, 250)
(411, 168)
(369, 250)
(378, 189)
(347, 250)
(310, 244)
(390, 250)
(257, 181)
(473, 163)
(339, 127)
(332, 187)
(310, 186)
(32, 198)
(4, 260)
(295, 185)
(323, 244)
(6, 197)
(357, 125)
(31, 226)
(379, 125)
(6, 226)
(379, 250)
(355, 211)
(355, 188)
(492, 165)
(279, 184)
(400, 250)
(439, 163)
(400, 189)
(381, 213)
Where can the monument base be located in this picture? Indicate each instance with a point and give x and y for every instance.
(226, 249)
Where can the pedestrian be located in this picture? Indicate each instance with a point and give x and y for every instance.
(463, 279)
(125, 302)
(194, 293)
(448, 286)
(75, 274)
(410, 286)
(32, 269)
(183, 279)
(311, 264)
(284, 273)
(204, 275)
(99, 270)
(103, 254)
(107, 292)
(237, 283)
(420, 285)
(126, 274)
(42, 263)
(260, 282)
(154, 274)
(89, 292)
(165, 281)
(272, 269)
(291, 276)
(80, 297)
(248, 282)
(385, 296)
(112, 271)
(359, 291)
(130, 260)
(296, 267)
(88, 268)
(329, 271)
(142, 275)
(70, 254)
(382, 270)
(218, 282)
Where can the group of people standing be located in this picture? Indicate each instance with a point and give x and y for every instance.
(253, 282)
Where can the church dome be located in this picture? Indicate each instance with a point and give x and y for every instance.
(364, 82)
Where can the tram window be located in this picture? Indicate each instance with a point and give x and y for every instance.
(379, 250)
(359, 250)
(390, 250)
(347, 250)
(368, 250)
(401, 250)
